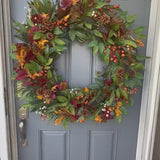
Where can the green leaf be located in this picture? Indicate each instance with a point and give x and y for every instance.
(100, 82)
(65, 123)
(141, 36)
(72, 109)
(110, 41)
(93, 43)
(29, 22)
(106, 57)
(100, 5)
(139, 29)
(141, 57)
(98, 34)
(46, 50)
(115, 27)
(40, 58)
(118, 93)
(49, 62)
(95, 50)
(123, 110)
(81, 35)
(60, 48)
(112, 33)
(137, 66)
(129, 42)
(57, 31)
(72, 34)
(108, 103)
(13, 76)
(49, 74)
(61, 99)
(123, 93)
(28, 105)
(33, 67)
(12, 55)
(139, 76)
(94, 86)
(88, 25)
(115, 79)
(39, 35)
(95, 97)
(64, 104)
(101, 48)
(13, 47)
(59, 41)
(131, 19)
(119, 118)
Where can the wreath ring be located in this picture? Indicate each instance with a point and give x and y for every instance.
(49, 28)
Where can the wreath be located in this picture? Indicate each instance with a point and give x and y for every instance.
(46, 34)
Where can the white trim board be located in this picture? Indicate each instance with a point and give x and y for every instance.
(150, 96)
(3, 124)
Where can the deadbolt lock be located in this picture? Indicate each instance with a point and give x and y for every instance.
(22, 113)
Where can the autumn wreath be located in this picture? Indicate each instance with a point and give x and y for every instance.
(48, 30)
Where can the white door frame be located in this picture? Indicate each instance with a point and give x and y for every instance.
(150, 94)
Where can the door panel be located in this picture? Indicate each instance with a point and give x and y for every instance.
(108, 141)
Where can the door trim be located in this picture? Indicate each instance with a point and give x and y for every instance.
(150, 94)
(151, 87)
(8, 85)
(3, 125)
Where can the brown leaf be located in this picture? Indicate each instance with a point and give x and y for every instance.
(90, 3)
(75, 13)
(62, 12)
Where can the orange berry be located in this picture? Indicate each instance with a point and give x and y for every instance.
(105, 51)
(82, 120)
(123, 55)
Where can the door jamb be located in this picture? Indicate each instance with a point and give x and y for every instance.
(8, 85)
(151, 87)
(150, 94)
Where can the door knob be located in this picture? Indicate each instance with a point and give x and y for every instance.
(22, 115)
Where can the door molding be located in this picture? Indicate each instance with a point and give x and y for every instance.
(150, 94)
(3, 117)
(151, 87)
(8, 85)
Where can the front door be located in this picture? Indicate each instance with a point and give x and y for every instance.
(107, 141)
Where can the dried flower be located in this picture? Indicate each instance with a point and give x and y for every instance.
(65, 4)
(41, 44)
(98, 118)
(31, 32)
(140, 43)
(108, 82)
(58, 121)
(36, 18)
(85, 112)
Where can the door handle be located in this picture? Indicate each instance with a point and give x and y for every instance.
(23, 139)
(23, 115)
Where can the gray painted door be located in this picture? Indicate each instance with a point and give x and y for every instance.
(108, 141)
